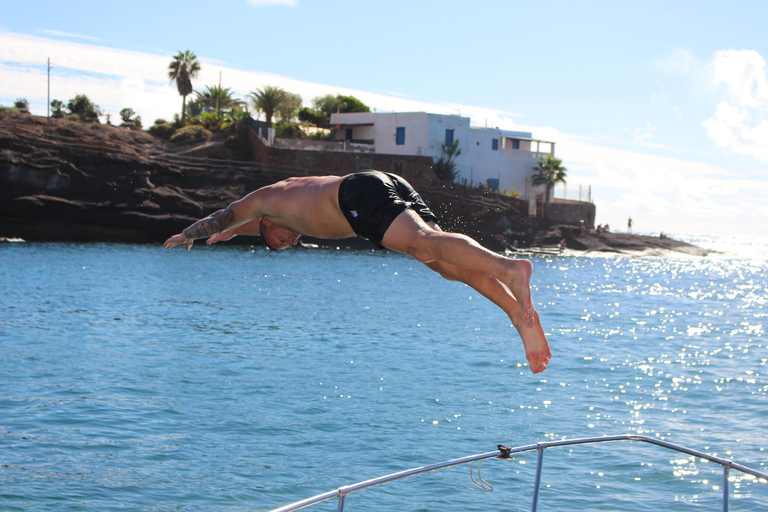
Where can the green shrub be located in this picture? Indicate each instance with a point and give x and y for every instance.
(286, 130)
(313, 116)
(319, 135)
(21, 103)
(189, 134)
(161, 130)
(83, 107)
(210, 121)
(127, 114)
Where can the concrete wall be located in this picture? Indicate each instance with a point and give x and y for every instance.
(571, 212)
(415, 169)
(322, 145)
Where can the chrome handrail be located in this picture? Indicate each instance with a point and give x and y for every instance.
(504, 453)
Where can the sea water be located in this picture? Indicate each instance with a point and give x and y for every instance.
(232, 379)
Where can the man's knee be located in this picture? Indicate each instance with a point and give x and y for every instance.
(439, 267)
(420, 246)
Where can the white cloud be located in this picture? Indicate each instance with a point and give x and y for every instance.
(744, 74)
(740, 123)
(644, 133)
(680, 61)
(67, 34)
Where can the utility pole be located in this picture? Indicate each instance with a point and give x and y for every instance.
(48, 105)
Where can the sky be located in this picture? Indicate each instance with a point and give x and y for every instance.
(658, 108)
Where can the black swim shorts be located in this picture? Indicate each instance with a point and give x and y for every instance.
(371, 200)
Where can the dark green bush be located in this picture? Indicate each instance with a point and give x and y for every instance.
(189, 134)
(83, 107)
(286, 130)
(313, 116)
(161, 130)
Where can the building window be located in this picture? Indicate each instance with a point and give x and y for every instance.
(400, 136)
(448, 138)
(515, 144)
(495, 144)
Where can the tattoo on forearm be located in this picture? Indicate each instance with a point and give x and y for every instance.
(214, 223)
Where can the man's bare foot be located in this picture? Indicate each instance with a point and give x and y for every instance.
(520, 286)
(535, 342)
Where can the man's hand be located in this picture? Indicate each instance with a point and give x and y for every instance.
(179, 239)
(221, 237)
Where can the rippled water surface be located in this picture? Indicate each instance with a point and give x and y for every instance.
(228, 378)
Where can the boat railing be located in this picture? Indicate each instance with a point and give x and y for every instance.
(504, 452)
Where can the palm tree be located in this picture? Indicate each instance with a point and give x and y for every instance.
(549, 173)
(182, 70)
(216, 97)
(445, 167)
(289, 107)
(268, 100)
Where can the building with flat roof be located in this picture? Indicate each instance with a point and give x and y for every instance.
(501, 159)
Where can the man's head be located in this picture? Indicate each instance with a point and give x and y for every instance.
(277, 238)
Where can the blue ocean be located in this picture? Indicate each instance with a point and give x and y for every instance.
(229, 378)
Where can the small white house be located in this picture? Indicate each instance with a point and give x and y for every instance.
(499, 158)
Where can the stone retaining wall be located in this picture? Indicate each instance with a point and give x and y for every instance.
(571, 213)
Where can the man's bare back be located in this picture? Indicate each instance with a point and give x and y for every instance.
(307, 205)
(281, 212)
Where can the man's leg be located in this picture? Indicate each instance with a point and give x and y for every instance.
(409, 234)
(534, 340)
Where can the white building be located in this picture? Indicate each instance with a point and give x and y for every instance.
(498, 158)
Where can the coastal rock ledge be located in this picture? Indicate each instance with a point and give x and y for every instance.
(62, 180)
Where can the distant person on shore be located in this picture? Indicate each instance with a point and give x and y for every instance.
(562, 245)
(386, 210)
(629, 226)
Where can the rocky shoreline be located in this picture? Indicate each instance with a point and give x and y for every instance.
(69, 181)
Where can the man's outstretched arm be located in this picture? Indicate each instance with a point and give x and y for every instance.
(212, 224)
(237, 213)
